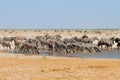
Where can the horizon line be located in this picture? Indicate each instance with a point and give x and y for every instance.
(59, 29)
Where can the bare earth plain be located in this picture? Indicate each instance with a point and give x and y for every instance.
(35, 67)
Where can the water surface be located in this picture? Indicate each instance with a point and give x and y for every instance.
(113, 54)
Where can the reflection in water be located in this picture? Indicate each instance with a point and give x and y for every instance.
(113, 54)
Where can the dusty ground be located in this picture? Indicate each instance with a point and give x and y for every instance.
(24, 67)
(34, 67)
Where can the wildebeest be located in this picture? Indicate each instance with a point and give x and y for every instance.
(89, 40)
(5, 44)
(17, 44)
(60, 46)
(108, 42)
(54, 43)
(84, 36)
(70, 47)
(86, 47)
(118, 45)
(20, 38)
(117, 40)
(43, 37)
(10, 39)
(67, 40)
(18, 41)
(29, 48)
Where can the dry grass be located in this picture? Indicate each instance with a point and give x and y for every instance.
(64, 33)
(21, 67)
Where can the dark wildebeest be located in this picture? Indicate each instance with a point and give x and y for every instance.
(5, 44)
(84, 36)
(67, 40)
(86, 46)
(70, 47)
(118, 44)
(44, 44)
(60, 46)
(89, 40)
(48, 45)
(108, 42)
(18, 41)
(17, 44)
(10, 39)
(34, 41)
(29, 48)
(92, 47)
(117, 40)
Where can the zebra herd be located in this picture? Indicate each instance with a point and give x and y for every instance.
(57, 44)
